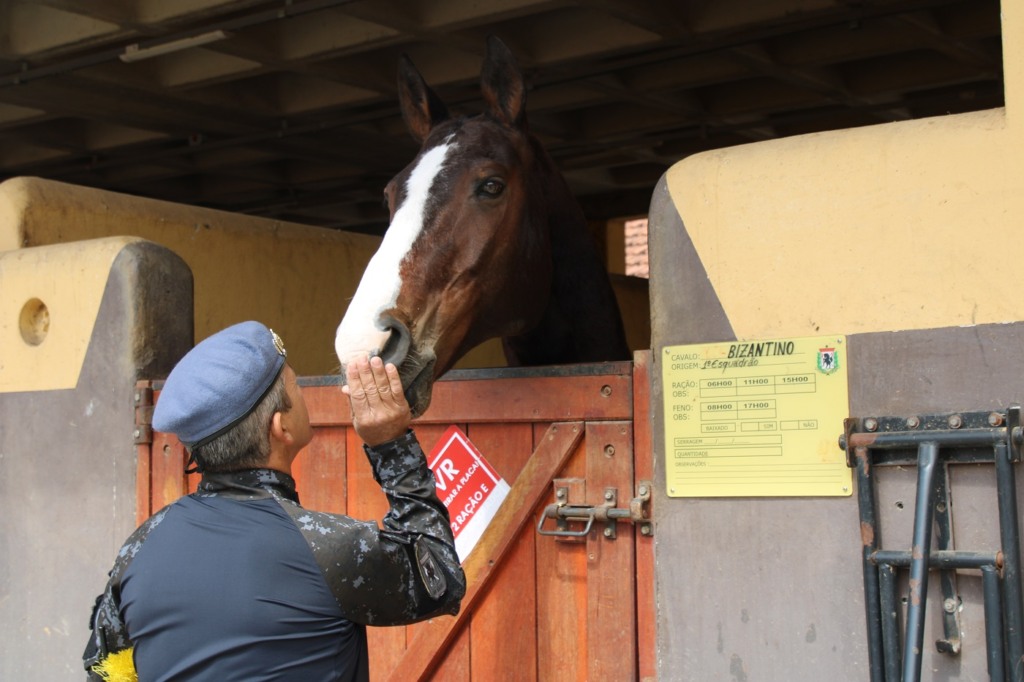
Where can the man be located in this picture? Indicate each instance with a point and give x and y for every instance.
(237, 581)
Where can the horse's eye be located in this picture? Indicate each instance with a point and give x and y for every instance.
(491, 187)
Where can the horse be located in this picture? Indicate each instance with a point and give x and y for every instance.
(485, 240)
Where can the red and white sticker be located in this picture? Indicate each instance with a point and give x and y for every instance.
(469, 487)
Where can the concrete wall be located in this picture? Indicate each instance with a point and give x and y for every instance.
(79, 324)
(902, 237)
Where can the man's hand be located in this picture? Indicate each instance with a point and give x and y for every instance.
(380, 411)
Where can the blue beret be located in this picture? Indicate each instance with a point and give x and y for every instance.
(219, 382)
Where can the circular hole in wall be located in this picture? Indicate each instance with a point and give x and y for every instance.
(34, 322)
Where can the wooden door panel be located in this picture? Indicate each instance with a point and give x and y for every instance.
(503, 628)
(167, 471)
(610, 623)
(537, 607)
(507, 447)
(504, 625)
(562, 588)
(427, 650)
(643, 474)
(533, 399)
(456, 664)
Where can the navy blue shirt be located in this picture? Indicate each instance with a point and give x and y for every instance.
(239, 582)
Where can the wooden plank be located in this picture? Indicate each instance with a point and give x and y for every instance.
(327, 405)
(428, 435)
(320, 469)
(611, 587)
(143, 457)
(428, 649)
(143, 482)
(505, 624)
(511, 399)
(562, 588)
(532, 399)
(504, 627)
(168, 470)
(643, 470)
(456, 664)
(506, 447)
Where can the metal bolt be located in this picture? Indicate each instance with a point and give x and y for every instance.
(955, 421)
(609, 495)
(643, 490)
(645, 529)
(913, 423)
(606, 390)
(949, 605)
(137, 433)
(871, 424)
(608, 532)
(609, 450)
(995, 419)
(560, 493)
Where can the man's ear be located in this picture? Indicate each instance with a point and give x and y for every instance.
(278, 431)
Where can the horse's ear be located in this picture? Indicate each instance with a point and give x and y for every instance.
(422, 109)
(502, 84)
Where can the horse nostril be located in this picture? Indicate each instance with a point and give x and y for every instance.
(396, 348)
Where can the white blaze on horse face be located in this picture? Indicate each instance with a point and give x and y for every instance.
(381, 283)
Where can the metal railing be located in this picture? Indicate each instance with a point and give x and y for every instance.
(932, 444)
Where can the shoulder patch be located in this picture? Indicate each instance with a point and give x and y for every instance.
(430, 572)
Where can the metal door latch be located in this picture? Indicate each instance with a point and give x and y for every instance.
(607, 513)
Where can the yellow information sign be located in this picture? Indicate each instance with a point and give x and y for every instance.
(756, 418)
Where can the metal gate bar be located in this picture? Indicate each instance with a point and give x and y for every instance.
(950, 644)
(924, 511)
(932, 443)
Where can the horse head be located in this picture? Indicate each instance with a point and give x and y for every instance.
(468, 253)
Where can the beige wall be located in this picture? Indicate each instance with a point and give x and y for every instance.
(900, 226)
(294, 278)
(46, 321)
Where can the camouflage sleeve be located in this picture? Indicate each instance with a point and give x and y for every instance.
(404, 572)
(108, 633)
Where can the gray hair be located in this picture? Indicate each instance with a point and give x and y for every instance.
(246, 445)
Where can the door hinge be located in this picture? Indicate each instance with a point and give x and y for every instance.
(607, 513)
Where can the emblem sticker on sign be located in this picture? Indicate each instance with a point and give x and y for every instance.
(756, 418)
